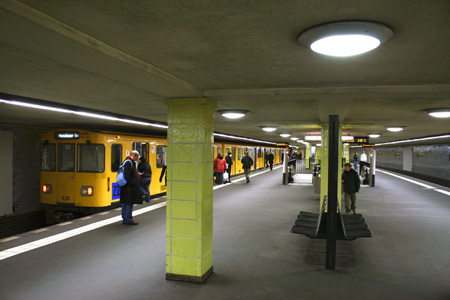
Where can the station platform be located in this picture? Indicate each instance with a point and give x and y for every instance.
(255, 255)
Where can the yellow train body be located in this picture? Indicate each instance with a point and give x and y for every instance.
(79, 167)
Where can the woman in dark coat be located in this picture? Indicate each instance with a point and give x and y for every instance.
(130, 193)
(145, 171)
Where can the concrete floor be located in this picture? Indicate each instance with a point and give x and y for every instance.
(255, 255)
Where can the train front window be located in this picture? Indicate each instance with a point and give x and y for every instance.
(48, 158)
(91, 158)
(161, 156)
(66, 157)
(116, 157)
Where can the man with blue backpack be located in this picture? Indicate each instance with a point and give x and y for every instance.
(128, 180)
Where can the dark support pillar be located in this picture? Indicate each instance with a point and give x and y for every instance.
(333, 173)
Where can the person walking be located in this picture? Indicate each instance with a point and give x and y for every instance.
(247, 163)
(266, 159)
(352, 183)
(130, 192)
(145, 171)
(270, 158)
(229, 161)
(220, 165)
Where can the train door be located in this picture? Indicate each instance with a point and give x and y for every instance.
(251, 153)
(255, 158)
(161, 166)
(235, 161)
(66, 173)
(142, 148)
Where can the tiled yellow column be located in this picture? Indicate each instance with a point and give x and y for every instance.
(324, 164)
(307, 155)
(190, 189)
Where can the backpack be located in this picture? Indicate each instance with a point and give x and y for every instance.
(121, 181)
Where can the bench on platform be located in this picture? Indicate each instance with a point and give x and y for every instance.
(314, 226)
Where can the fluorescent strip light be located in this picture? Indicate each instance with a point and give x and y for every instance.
(347, 138)
(313, 138)
(415, 140)
(97, 116)
(36, 106)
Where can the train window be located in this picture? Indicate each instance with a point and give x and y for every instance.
(66, 157)
(116, 157)
(161, 156)
(91, 158)
(219, 150)
(48, 157)
(228, 150)
(239, 153)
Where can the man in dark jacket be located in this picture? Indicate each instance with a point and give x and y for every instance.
(247, 163)
(351, 181)
(130, 193)
(229, 161)
(270, 158)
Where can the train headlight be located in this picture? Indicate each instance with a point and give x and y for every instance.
(47, 188)
(87, 191)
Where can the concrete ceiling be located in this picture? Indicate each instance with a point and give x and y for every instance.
(127, 56)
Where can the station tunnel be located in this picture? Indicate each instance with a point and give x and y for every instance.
(186, 84)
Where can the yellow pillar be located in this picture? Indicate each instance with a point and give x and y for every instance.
(189, 189)
(324, 164)
(307, 155)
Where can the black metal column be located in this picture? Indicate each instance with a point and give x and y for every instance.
(333, 173)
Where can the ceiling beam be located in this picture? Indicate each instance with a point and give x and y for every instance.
(39, 18)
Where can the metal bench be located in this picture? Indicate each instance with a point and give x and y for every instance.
(314, 226)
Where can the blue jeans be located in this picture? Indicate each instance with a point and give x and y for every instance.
(144, 185)
(127, 211)
(219, 178)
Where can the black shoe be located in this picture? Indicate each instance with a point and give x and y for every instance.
(132, 223)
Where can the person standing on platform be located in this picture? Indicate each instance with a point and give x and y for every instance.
(364, 157)
(220, 165)
(247, 163)
(229, 161)
(130, 192)
(352, 183)
(355, 161)
(145, 171)
(270, 158)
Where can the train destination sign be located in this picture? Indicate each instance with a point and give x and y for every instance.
(359, 140)
(67, 135)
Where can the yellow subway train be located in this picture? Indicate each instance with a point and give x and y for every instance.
(79, 168)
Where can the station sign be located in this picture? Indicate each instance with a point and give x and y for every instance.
(359, 140)
(282, 144)
(67, 135)
(368, 145)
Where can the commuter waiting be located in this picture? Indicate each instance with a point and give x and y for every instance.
(145, 171)
(220, 165)
(352, 183)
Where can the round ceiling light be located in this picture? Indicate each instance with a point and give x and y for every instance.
(268, 129)
(439, 112)
(395, 128)
(233, 114)
(374, 135)
(345, 38)
(285, 135)
(294, 138)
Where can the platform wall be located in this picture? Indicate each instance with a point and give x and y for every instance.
(26, 212)
(428, 162)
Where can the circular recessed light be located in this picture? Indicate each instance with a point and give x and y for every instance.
(395, 128)
(345, 38)
(319, 145)
(346, 144)
(439, 112)
(285, 135)
(268, 129)
(294, 138)
(374, 135)
(233, 114)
